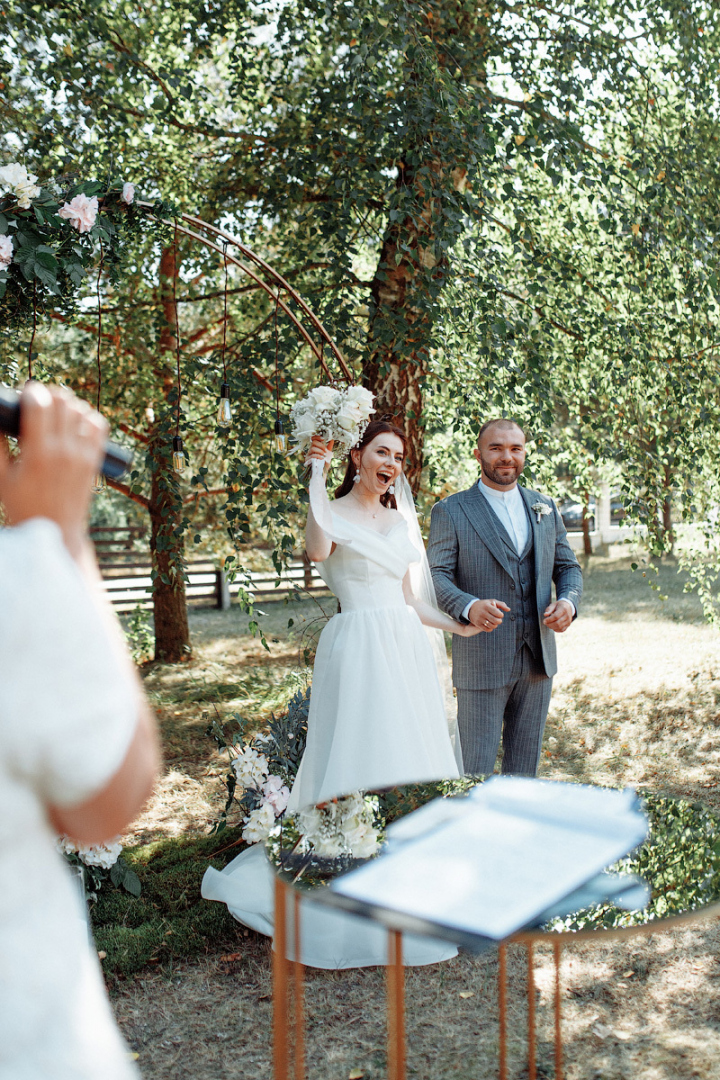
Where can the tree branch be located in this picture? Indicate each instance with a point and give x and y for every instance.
(126, 491)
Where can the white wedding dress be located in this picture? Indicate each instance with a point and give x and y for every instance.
(377, 719)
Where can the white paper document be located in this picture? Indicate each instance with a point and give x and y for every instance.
(493, 862)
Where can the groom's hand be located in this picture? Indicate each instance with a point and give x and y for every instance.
(558, 616)
(487, 614)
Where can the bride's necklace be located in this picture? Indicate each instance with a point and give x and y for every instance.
(363, 506)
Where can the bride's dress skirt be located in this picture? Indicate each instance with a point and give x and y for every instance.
(376, 720)
(328, 938)
(377, 712)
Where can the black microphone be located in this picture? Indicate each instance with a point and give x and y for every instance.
(117, 459)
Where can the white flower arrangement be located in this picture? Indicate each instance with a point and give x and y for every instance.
(250, 767)
(252, 770)
(339, 415)
(102, 855)
(15, 180)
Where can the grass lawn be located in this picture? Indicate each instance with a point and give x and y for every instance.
(636, 701)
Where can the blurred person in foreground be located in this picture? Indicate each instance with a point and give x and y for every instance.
(78, 749)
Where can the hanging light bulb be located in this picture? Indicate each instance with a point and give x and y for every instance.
(280, 437)
(150, 414)
(224, 415)
(99, 484)
(178, 458)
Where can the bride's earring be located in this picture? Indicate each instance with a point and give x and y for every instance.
(356, 477)
(391, 489)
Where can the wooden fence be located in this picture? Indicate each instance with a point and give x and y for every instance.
(125, 568)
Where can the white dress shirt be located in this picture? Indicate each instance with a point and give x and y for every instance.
(509, 509)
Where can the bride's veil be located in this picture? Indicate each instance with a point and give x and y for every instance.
(423, 588)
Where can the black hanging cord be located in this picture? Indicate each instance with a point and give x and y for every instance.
(225, 312)
(32, 339)
(99, 333)
(277, 367)
(177, 332)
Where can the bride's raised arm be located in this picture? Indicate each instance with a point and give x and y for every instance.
(318, 544)
(430, 616)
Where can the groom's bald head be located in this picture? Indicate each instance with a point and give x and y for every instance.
(500, 422)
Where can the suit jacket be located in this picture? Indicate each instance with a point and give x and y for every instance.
(469, 560)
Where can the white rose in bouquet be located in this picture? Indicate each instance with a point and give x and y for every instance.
(258, 824)
(347, 421)
(361, 397)
(325, 397)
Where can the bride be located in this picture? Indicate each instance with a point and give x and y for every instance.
(377, 711)
(377, 714)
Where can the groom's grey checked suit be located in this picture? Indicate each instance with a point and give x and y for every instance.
(503, 678)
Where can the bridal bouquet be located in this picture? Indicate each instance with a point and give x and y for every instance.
(340, 415)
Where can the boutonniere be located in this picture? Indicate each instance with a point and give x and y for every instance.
(540, 509)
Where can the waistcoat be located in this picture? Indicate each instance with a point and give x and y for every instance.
(527, 624)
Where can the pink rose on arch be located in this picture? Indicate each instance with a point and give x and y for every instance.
(81, 212)
(128, 193)
(276, 794)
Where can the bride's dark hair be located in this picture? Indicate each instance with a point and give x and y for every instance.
(374, 428)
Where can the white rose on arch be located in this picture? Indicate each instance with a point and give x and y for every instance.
(15, 180)
(6, 251)
(128, 193)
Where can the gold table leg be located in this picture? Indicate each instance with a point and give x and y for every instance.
(396, 1007)
(280, 985)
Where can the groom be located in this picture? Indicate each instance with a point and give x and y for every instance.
(494, 552)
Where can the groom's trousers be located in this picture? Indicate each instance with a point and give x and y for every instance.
(515, 712)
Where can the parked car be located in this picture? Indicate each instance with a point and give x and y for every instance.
(571, 513)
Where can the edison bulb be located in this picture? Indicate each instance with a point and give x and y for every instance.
(224, 414)
(280, 437)
(99, 484)
(178, 457)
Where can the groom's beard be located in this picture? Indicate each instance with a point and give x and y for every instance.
(506, 478)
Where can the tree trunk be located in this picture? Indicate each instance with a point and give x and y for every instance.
(587, 542)
(668, 533)
(401, 315)
(167, 547)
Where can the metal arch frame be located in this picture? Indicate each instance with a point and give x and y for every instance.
(279, 281)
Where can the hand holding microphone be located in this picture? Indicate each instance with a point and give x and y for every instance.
(62, 445)
(117, 459)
